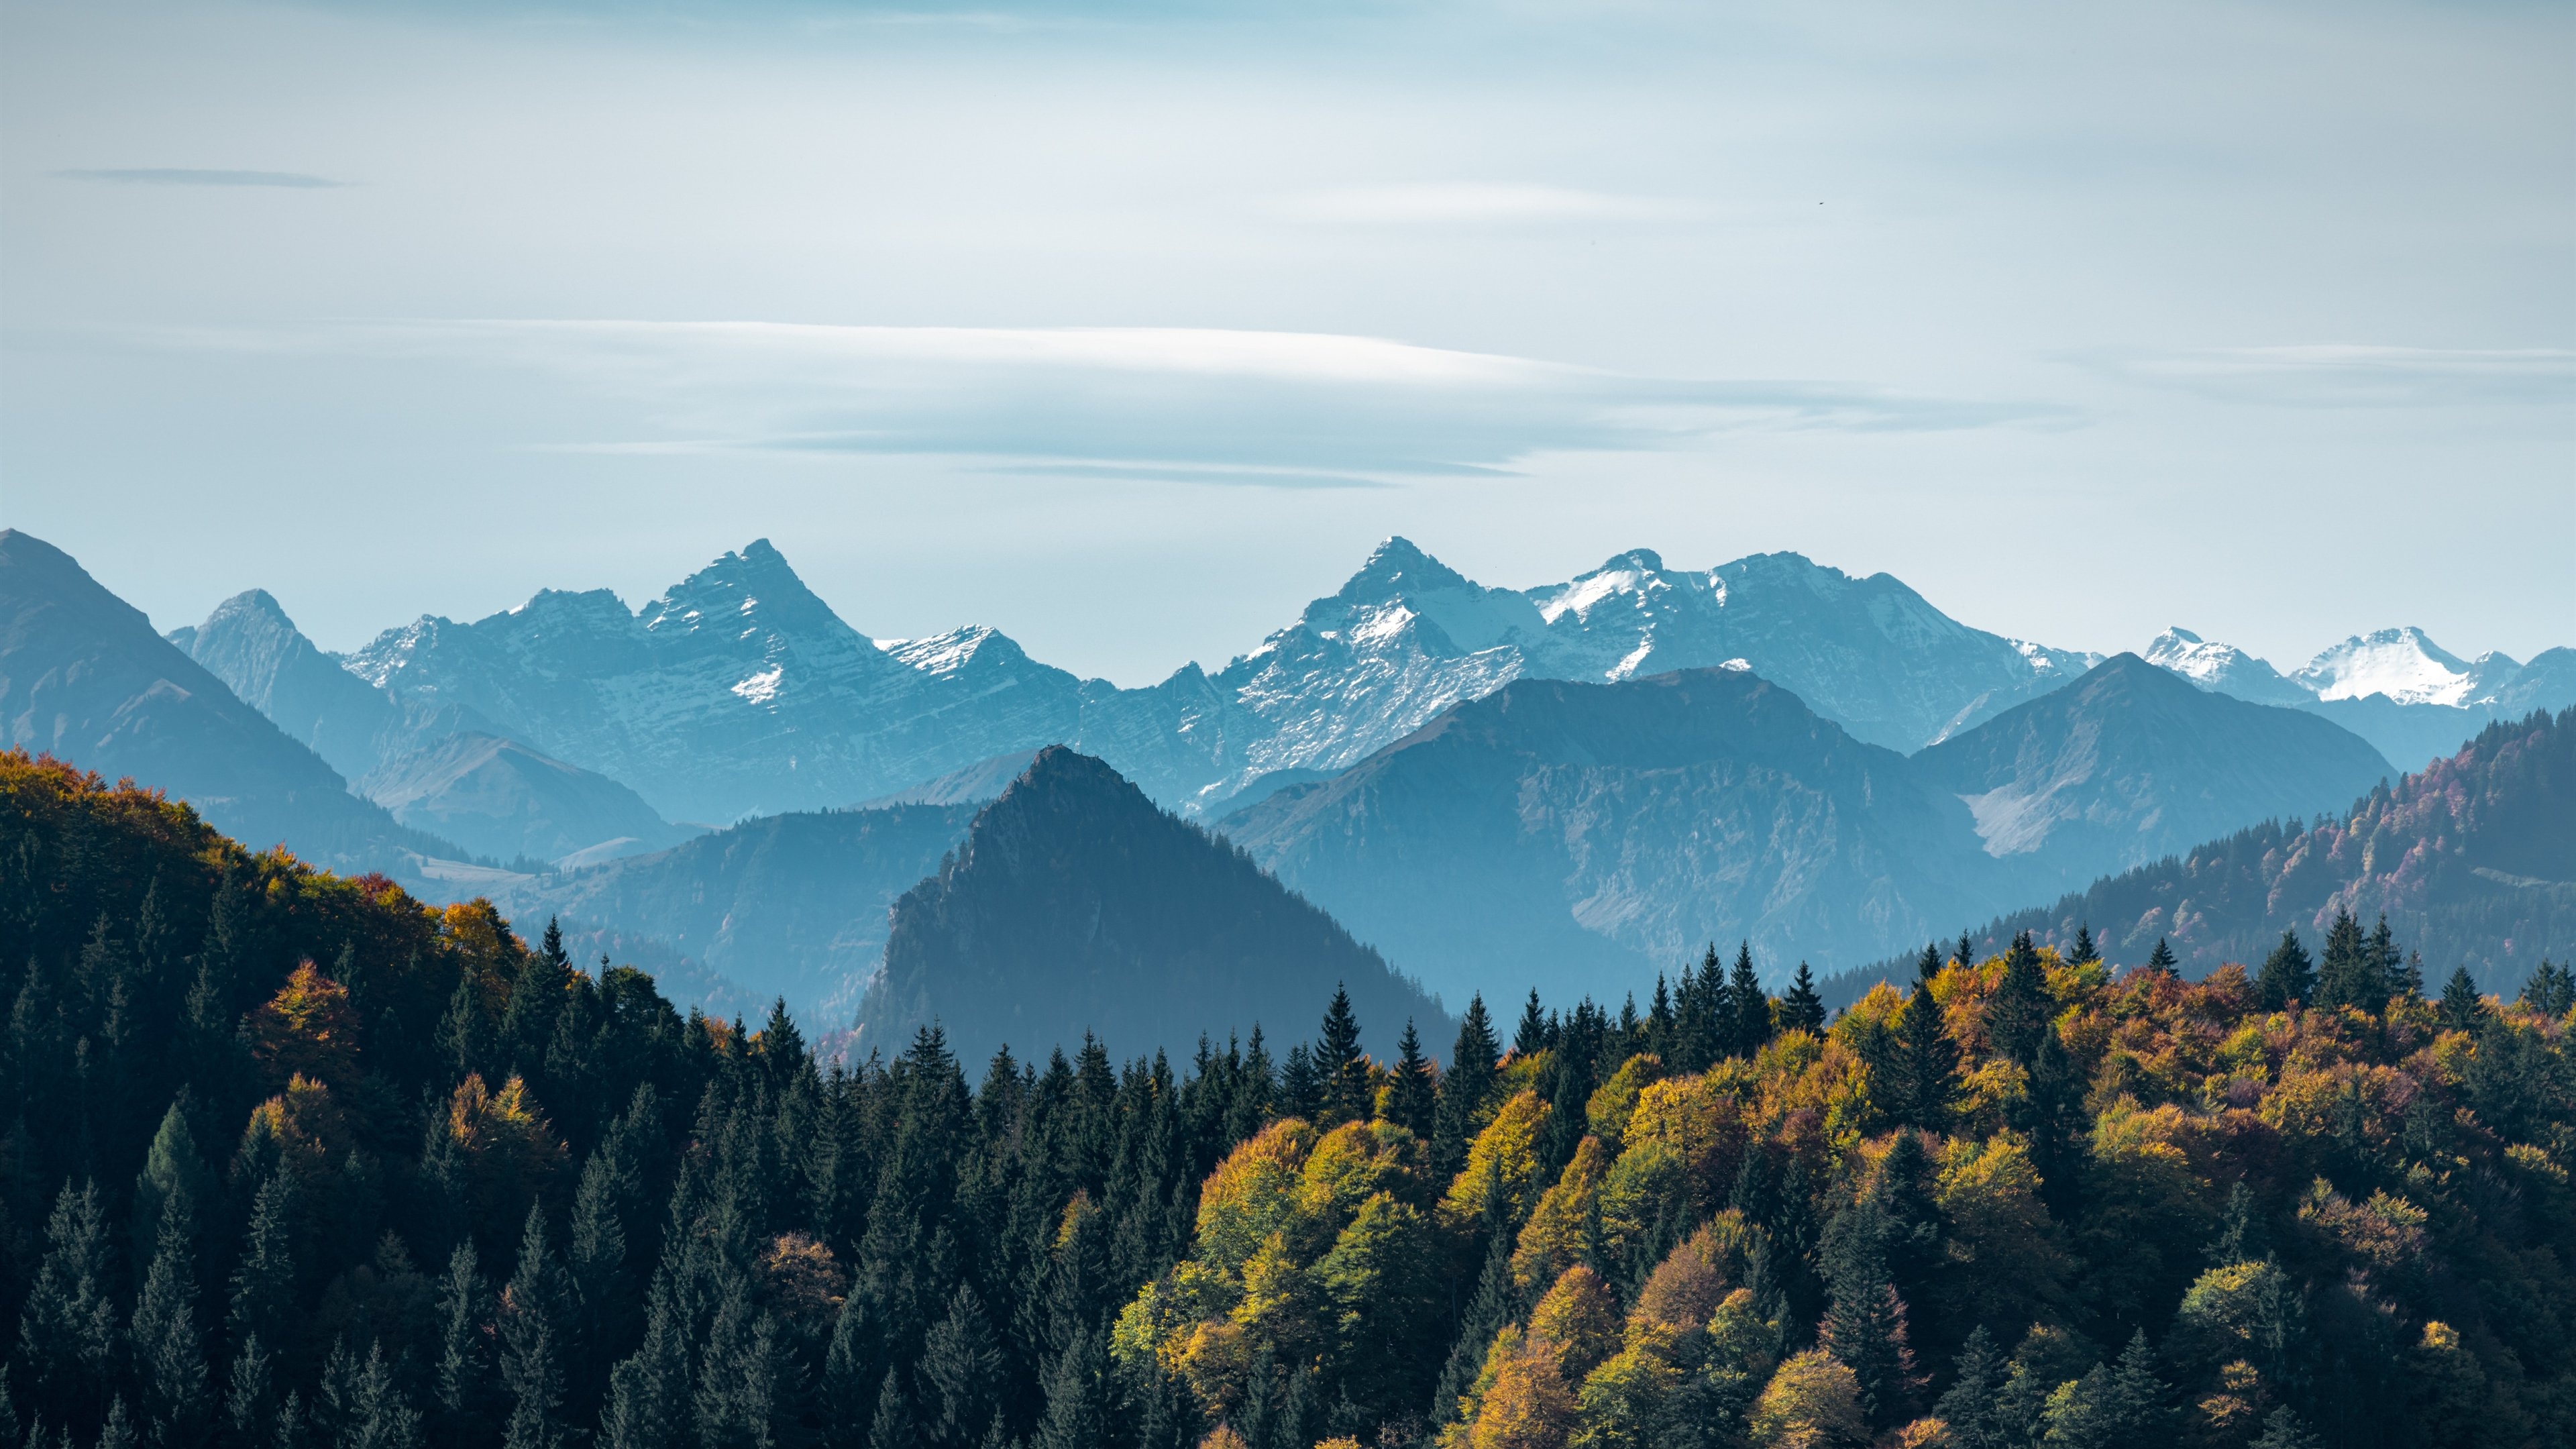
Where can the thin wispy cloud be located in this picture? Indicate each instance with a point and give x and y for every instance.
(2347, 375)
(1205, 404)
(186, 176)
(1476, 204)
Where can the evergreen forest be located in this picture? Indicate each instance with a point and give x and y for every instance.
(296, 1161)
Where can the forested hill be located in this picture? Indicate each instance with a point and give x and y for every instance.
(1077, 904)
(2472, 858)
(297, 1160)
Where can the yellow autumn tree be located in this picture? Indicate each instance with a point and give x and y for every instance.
(1503, 1159)
(1813, 1402)
(307, 1029)
(509, 1151)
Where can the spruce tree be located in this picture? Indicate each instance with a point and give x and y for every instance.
(1964, 953)
(2085, 952)
(2461, 1009)
(1341, 1069)
(2020, 1010)
(1864, 1324)
(890, 1427)
(169, 1351)
(2138, 1402)
(2349, 975)
(960, 1372)
(1968, 1405)
(2161, 958)
(464, 1365)
(378, 1414)
(1802, 1009)
(1752, 1028)
(1413, 1095)
(67, 1334)
(171, 1167)
(1927, 1062)
(536, 1314)
(2286, 975)
(1531, 1037)
(2284, 1430)
(263, 1287)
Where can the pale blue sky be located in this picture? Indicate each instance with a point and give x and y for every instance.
(1128, 328)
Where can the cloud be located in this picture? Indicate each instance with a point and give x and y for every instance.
(182, 176)
(2344, 375)
(1475, 204)
(1272, 409)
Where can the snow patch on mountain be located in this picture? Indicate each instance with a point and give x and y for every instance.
(2400, 663)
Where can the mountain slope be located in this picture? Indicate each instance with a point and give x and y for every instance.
(2130, 763)
(499, 798)
(84, 677)
(1078, 905)
(2472, 859)
(1577, 837)
(787, 906)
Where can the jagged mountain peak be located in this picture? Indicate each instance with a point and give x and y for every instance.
(751, 588)
(1396, 567)
(2402, 663)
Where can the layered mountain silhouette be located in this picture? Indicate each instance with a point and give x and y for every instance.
(1576, 837)
(789, 906)
(435, 764)
(2130, 763)
(83, 677)
(1077, 904)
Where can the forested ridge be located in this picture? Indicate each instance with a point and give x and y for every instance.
(297, 1160)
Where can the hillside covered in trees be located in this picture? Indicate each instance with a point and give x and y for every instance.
(297, 1160)
(2469, 858)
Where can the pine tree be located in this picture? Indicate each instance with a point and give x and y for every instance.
(1531, 1037)
(464, 1369)
(67, 1330)
(2284, 1430)
(2286, 975)
(1864, 1324)
(1752, 1028)
(2388, 965)
(1927, 1062)
(250, 1394)
(2138, 1401)
(378, 1415)
(536, 1312)
(171, 1167)
(2550, 990)
(2161, 958)
(1487, 1312)
(263, 1288)
(1968, 1406)
(1802, 1009)
(169, 1352)
(2019, 1012)
(2349, 975)
(2461, 1010)
(1342, 1070)
(891, 1426)
(960, 1372)
(1413, 1095)
(2085, 952)
(1464, 1089)
(462, 1039)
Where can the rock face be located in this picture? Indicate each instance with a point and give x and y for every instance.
(2130, 763)
(84, 678)
(498, 798)
(1076, 904)
(1578, 837)
(789, 906)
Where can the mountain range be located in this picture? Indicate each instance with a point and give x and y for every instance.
(84, 677)
(1571, 785)
(1578, 837)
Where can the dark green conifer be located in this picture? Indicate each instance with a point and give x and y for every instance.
(2161, 958)
(464, 1365)
(535, 1316)
(1531, 1037)
(1968, 1405)
(1341, 1070)
(2349, 975)
(1413, 1094)
(2085, 952)
(1864, 1323)
(1926, 1062)
(2285, 1430)
(2020, 1010)
(169, 1351)
(2286, 975)
(891, 1426)
(263, 1288)
(67, 1334)
(1802, 1009)
(1753, 1027)
(961, 1369)
(2461, 1009)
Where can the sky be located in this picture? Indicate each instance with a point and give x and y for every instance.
(1127, 328)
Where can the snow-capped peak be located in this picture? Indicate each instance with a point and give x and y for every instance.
(2400, 663)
